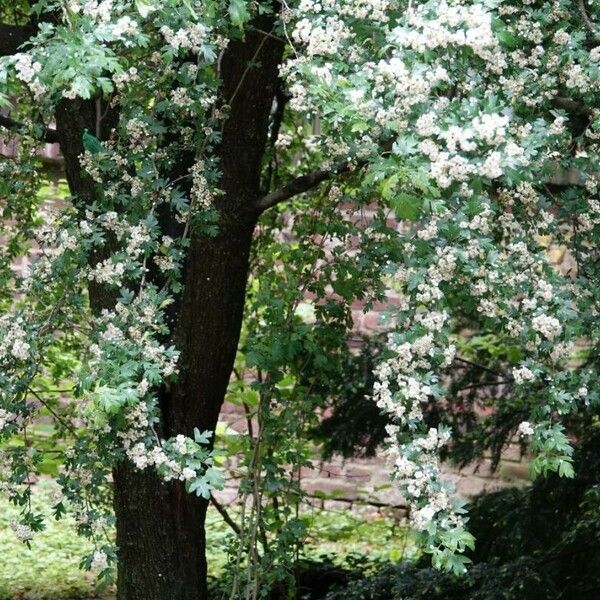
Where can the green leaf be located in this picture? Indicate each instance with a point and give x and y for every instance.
(145, 7)
(457, 564)
(388, 186)
(91, 143)
(202, 437)
(238, 11)
(406, 206)
(405, 146)
(360, 126)
(508, 39)
(112, 400)
(200, 486)
(565, 469)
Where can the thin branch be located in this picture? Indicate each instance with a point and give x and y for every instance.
(50, 136)
(248, 420)
(478, 366)
(251, 63)
(277, 119)
(589, 24)
(358, 502)
(307, 182)
(267, 33)
(12, 37)
(482, 384)
(64, 423)
(226, 517)
(301, 184)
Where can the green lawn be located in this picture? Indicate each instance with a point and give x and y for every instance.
(50, 569)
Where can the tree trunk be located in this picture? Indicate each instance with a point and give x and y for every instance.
(160, 527)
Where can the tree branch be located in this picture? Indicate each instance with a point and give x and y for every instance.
(572, 106)
(50, 136)
(277, 119)
(12, 37)
(589, 24)
(223, 512)
(301, 184)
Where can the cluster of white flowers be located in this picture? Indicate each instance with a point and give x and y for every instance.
(125, 27)
(401, 390)
(99, 561)
(129, 76)
(100, 10)
(169, 457)
(526, 429)
(180, 97)
(202, 196)
(417, 468)
(548, 326)
(192, 37)
(13, 334)
(28, 71)
(454, 116)
(24, 533)
(522, 375)
(373, 10)
(108, 271)
(5, 418)
(445, 24)
(324, 38)
(139, 134)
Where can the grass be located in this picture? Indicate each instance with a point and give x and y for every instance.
(350, 537)
(50, 569)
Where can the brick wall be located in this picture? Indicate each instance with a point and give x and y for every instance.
(364, 483)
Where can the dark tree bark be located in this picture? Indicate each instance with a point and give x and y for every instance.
(12, 37)
(160, 527)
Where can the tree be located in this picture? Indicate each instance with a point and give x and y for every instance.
(469, 120)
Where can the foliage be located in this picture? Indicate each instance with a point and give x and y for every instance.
(510, 581)
(355, 426)
(472, 123)
(472, 147)
(50, 570)
(293, 355)
(340, 541)
(539, 542)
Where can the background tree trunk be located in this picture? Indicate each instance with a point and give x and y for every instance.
(160, 527)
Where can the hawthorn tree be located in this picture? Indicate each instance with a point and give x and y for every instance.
(185, 123)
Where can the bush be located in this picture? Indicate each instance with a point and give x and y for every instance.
(515, 580)
(539, 543)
